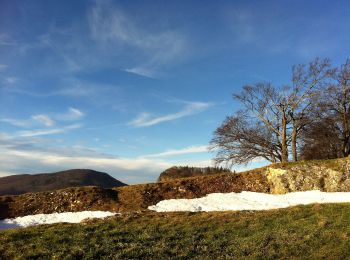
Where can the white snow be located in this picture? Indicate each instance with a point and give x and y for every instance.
(68, 217)
(249, 201)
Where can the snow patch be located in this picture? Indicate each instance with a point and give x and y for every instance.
(67, 217)
(247, 200)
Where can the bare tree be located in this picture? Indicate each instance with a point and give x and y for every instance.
(275, 120)
(319, 140)
(240, 139)
(263, 102)
(337, 102)
(306, 83)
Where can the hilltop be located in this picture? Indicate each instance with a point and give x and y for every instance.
(177, 172)
(25, 183)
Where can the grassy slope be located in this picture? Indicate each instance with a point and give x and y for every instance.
(317, 231)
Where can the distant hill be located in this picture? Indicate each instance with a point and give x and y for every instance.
(177, 172)
(23, 183)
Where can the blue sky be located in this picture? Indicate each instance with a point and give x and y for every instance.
(134, 87)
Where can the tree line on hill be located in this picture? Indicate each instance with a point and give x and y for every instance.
(176, 172)
(306, 119)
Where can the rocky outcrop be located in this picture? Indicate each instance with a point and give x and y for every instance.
(329, 176)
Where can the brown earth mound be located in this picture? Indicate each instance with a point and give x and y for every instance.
(127, 198)
(330, 175)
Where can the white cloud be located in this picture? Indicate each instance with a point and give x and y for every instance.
(6, 39)
(146, 119)
(71, 115)
(186, 150)
(142, 72)
(33, 155)
(11, 80)
(40, 132)
(44, 119)
(3, 67)
(110, 26)
(4, 174)
(17, 122)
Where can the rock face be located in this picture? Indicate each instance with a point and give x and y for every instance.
(19, 184)
(330, 175)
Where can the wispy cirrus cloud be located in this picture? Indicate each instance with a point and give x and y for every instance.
(3, 67)
(175, 152)
(40, 132)
(44, 119)
(147, 119)
(72, 114)
(111, 26)
(6, 39)
(11, 80)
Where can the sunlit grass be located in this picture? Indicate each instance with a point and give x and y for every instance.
(315, 231)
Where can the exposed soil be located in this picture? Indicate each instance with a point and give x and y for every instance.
(330, 175)
(129, 198)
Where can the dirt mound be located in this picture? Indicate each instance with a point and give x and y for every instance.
(331, 175)
(129, 198)
(70, 199)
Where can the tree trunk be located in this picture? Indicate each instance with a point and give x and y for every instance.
(346, 146)
(294, 143)
(284, 139)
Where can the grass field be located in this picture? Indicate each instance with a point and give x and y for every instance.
(316, 231)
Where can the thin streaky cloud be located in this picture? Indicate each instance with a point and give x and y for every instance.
(44, 119)
(3, 67)
(17, 122)
(175, 152)
(6, 39)
(110, 26)
(146, 119)
(144, 72)
(71, 115)
(11, 80)
(40, 132)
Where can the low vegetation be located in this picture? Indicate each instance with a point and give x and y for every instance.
(315, 231)
(177, 172)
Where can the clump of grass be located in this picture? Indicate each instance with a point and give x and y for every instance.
(316, 231)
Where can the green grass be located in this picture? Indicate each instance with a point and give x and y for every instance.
(317, 231)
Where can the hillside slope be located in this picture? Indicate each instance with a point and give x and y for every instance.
(19, 184)
(329, 175)
(303, 232)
